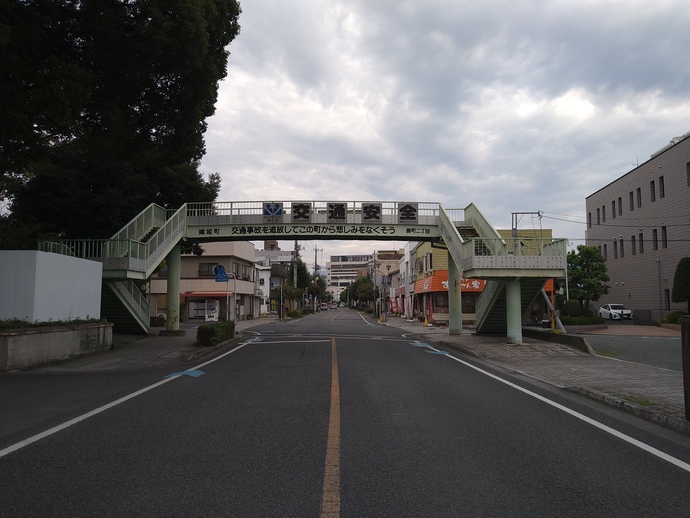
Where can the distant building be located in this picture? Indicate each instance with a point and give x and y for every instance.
(343, 270)
(640, 223)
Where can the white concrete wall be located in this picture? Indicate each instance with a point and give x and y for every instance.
(40, 287)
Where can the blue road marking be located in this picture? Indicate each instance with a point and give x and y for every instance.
(436, 352)
(192, 373)
(419, 344)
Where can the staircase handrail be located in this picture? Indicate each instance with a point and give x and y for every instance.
(165, 238)
(474, 217)
(453, 239)
(135, 299)
(152, 216)
(486, 300)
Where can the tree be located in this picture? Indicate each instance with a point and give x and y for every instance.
(587, 274)
(681, 282)
(304, 278)
(105, 110)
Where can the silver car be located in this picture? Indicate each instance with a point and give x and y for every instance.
(615, 312)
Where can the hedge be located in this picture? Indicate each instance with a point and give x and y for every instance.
(213, 334)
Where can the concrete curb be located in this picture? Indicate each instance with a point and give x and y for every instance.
(667, 421)
(578, 342)
(204, 352)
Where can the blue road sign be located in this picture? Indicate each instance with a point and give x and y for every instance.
(221, 275)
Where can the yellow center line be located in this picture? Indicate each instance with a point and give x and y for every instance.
(330, 499)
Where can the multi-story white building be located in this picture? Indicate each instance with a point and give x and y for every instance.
(343, 270)
(641, 224)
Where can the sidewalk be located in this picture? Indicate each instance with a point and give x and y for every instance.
(651, 393)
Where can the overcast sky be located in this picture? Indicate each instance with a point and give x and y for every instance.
(513, 105)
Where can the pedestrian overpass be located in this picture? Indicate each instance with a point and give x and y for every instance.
(515, 271)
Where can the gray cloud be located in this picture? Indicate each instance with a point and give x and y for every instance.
(513, 105)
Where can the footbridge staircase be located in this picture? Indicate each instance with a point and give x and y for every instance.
(515, 269)
(129, 258)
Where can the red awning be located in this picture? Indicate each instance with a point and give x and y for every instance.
(205, 294)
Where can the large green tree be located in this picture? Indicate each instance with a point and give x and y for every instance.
(105, 107)
(587, 275)
(681, 282)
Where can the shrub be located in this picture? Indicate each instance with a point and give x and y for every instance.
(674, 317)
(295, 313)
(213, 334)
(571, 308)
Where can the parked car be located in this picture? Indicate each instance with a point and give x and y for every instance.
(615, 312)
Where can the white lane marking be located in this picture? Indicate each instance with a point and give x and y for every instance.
(646, 447)
(83, 417)
(366, 321)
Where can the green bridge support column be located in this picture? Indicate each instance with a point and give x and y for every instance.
(454, 298)
(514, 311)
(173, 261)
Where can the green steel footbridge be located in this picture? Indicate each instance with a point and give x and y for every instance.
(476, 250)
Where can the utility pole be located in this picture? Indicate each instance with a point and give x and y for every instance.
(294, 269)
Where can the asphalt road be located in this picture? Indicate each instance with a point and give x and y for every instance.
(335, 413)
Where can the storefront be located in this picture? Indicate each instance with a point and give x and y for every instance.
(431, 297)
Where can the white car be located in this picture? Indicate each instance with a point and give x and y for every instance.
(615, 312)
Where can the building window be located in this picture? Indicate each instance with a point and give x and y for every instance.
(622, 249)
(613, 209)
(687, 173)
(664, 238)
(620, 206)
(236, 270)
(605, 253)
(589, 219)
(641, 243)
(615, 249)
(206, 269)
(603, 213)
(655, 240)
(633, 245)
(632, 201)
(667, 299)
(662, 189)
(639, 197)
(598, 217)
(652, 190)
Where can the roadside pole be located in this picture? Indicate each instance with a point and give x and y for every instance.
(685, 348)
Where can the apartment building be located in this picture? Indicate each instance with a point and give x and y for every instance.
(201, 297)
(641, 224)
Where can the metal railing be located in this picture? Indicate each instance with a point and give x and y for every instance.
(486, 300)
(153, 216)
(136, 300)
(318, 211)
